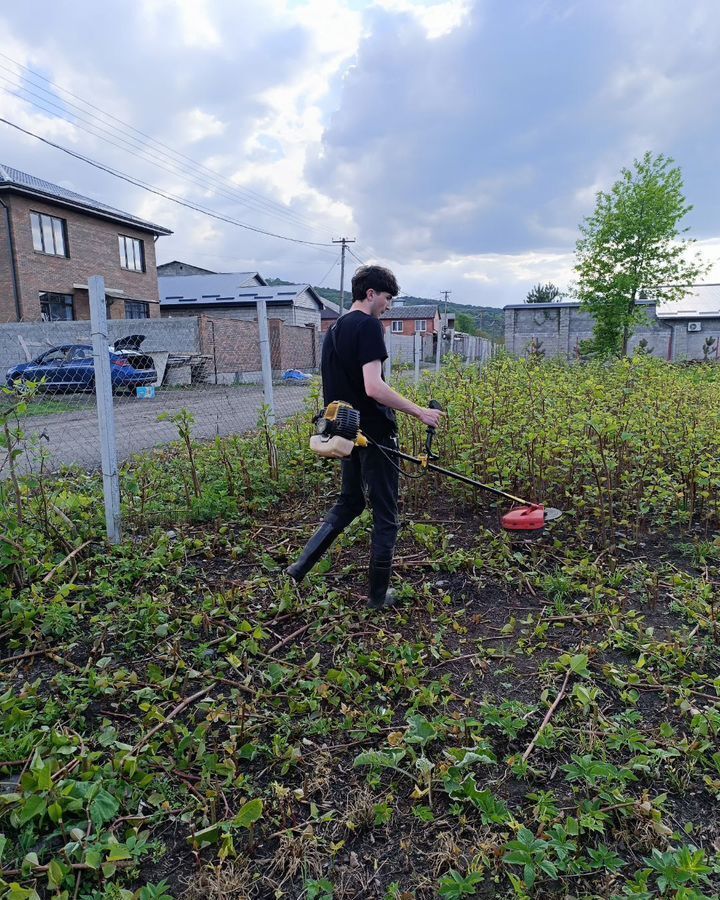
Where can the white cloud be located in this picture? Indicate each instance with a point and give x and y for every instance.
(460, 141)
(437, 19)
(190, 22)
(195, 125)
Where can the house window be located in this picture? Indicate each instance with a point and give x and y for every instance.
(49, 234)
(420, 324)
(132, 253)
(137, 309)
(56, 307)
(397, 326)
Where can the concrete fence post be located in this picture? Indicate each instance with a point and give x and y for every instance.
(438, 350)
(106, 414)
(389, 349)
(265, 358)
(417, 351)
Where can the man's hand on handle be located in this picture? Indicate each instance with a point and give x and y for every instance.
(429, 417)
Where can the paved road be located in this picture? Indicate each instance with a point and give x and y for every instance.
(72, 437)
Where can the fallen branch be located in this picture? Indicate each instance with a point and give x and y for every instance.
(28, 655)
(76, 867)
(67, 559)
(12, 543)
(287, 639)
(176, 712)
(483, 640)
(548, 716)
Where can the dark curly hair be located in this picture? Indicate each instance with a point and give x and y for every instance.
(376, 278)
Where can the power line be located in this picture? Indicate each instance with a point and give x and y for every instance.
(154, 190)
(320, 283)
(361, 261)
(248, 194)
(138, 148)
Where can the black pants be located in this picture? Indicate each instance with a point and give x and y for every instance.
(370, 473)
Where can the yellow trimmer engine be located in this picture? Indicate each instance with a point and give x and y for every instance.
(338, 431)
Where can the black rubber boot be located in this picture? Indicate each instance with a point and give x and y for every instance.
(314, 549)
(380, 595)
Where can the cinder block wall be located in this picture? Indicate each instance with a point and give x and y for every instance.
(560, 327)
(19, 339)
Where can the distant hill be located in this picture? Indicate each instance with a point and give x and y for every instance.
(490, 320)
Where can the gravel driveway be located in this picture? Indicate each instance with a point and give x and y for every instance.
(72, 437)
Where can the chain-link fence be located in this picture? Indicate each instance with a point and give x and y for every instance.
(94, 393)
(207, 369)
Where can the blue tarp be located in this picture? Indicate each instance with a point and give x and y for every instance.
(295, 375)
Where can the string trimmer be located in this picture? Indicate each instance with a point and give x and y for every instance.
(338, 432)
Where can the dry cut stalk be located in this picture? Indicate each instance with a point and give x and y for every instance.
(176, 712)
(66, 560)
(548, 716)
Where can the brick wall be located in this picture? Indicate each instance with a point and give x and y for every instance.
(233, 345)
(299, 347)
(93, 246)
(7, 295)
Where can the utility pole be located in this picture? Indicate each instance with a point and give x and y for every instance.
(447, 328)
(344, 242)
(446, 302)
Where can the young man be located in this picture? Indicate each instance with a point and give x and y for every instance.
(352, 358)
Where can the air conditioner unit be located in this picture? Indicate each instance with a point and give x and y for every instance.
(694, 326)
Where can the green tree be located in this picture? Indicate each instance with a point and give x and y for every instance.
(633, 241)
(465, 322)
(544, 293)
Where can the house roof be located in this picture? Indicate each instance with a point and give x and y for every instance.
(424, 311)
(289, 292)
(178, 262)
(700, 301)
(223, 289)
(15, 181)
(328, 314)
(328, 304)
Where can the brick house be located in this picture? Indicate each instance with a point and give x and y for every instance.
(52, 240)
(328, 317)
(406, 320)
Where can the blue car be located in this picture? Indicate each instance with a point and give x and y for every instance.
(69, 367)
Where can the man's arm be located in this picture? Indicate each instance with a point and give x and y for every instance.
(376, 388)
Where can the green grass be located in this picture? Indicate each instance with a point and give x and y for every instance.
(47, 406)
(535, 719)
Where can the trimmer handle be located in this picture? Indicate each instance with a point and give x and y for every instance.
(433, 404)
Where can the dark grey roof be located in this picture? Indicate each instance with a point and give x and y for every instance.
(327, 313)
(424, 311)
(22, 183)
(233, 289)
(196, 270)
(288, 292)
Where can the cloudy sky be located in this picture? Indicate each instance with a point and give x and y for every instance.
(461, 142)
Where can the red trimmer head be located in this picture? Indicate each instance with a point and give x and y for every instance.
(529, 518)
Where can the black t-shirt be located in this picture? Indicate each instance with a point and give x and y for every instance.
(359, 339)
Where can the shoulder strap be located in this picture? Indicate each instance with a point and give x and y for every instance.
(333, 337)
